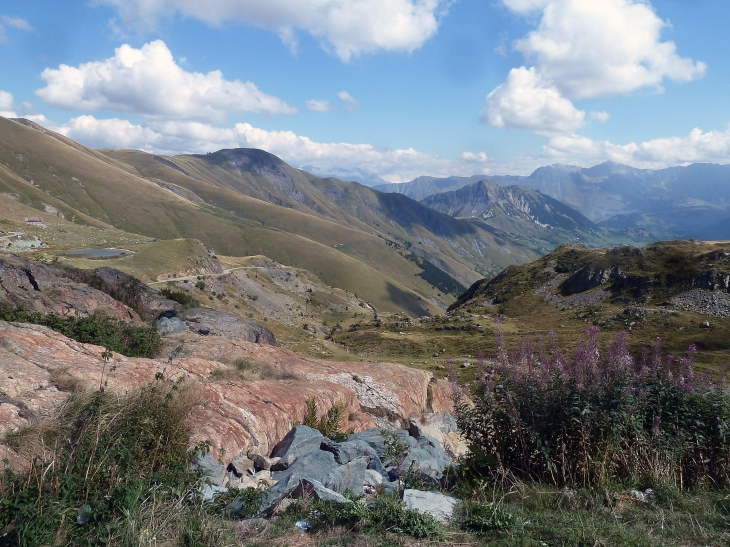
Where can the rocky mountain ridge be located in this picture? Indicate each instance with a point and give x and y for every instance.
(487, 200)
(690, 275)
(684, 201)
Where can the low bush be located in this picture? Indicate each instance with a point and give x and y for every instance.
(181, 297)
(385, 514)
(599, 417)
(113, 334)
(330, 423)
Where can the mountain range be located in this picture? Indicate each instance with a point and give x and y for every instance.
(394, 252)
(676, 202)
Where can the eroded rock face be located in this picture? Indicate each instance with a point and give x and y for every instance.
(235, 415)
(585, 279)
(38, 288)
(151, 302)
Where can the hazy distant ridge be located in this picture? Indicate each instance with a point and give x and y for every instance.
(689, 201)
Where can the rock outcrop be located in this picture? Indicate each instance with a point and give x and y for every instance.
(207, 321)
(235, 415)
(38, 288)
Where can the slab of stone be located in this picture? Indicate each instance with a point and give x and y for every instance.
(375, 439)
(319, 491)
(436, 504)
(293, 442)
(347, 478)
(210, 469)
(225, 324)
(316, 465)
(349, 450)
(427, 458)
(261, 462)
(282, 464)
(241, 466)
(377, 466)
(373, 478)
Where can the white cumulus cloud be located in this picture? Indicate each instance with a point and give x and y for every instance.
(176, 137)
(349, 100)
(346, 27)
(6, 105)
(585, 49)
(527, 102)
(316, 105)
(601, 116)
(594, 49)
(148, 81)
(698, 146)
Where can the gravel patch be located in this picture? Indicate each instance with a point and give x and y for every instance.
(704, 302)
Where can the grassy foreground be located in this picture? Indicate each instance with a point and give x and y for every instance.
(112, 470)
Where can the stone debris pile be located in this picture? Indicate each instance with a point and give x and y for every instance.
(305, 463)
(705, 302)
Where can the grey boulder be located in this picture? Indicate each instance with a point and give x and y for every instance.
(375, 439)
(347, 478)
(427, 458)
(170, 325)
(210, 469)
(436, 504)
(347, 451)
(298, 441)
(225, 324)
(284, 463)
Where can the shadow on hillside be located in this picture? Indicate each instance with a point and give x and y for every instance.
(407, 301)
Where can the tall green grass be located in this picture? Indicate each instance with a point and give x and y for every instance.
(96, 466)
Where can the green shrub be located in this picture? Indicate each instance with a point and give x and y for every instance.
(116, 335)
(244, 502)
(181, 297)
(386, 514)
(330, 424)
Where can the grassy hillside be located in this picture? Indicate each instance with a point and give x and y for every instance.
(458, 247)
(87, 188)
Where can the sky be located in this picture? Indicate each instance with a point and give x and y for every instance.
(379, 89)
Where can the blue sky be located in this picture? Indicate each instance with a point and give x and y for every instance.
(387, 88)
